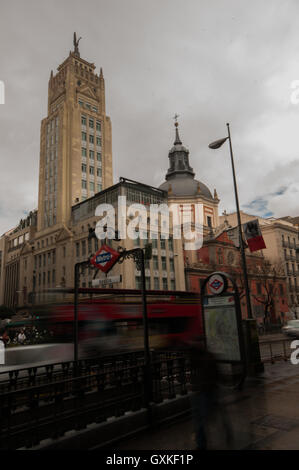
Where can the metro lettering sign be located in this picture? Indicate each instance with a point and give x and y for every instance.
(217, 284)
(105, 258)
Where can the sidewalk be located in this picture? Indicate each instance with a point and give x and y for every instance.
(265, 415)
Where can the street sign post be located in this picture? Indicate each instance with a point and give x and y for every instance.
(106, 281)
(222, 320)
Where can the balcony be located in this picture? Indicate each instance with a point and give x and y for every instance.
(290, 257)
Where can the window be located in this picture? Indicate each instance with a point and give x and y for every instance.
(91, 123)
(99, 156)
(170, 244)
(156, 283)
(84, 168)
(53, 276)
(91, 170)
(91, 138)
(77, 249)
(83, 134)
(81, 103)
(165, 283)
(164, 264)
(83, 152)
(83, 120)
(83, 247)
(138, 282)
(171, 264)
(162, 243)
(155, 262)
(99, 171)
(84, 184)
(99, 141)
(259, 288)
(99, 187)
(209, 221)
(98, 126)
(91, 154)
(91, 186)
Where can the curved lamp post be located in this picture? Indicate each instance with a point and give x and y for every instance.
(216, 145)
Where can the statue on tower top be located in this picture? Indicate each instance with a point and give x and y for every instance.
(76, 45)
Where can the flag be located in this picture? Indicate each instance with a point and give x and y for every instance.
(253, 235)
(217, 144)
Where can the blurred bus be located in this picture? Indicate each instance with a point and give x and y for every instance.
(112, 319)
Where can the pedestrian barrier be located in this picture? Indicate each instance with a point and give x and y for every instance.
(275, 350)
(47, 403)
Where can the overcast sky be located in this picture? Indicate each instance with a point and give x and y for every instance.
(210, 61)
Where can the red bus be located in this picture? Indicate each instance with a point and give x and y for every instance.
(112, 319)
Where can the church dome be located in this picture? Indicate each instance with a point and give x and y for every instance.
(180, 176)
(182, 185)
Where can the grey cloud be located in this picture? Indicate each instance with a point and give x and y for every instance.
(209, 61)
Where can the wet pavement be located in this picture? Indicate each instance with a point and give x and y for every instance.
(263, 416)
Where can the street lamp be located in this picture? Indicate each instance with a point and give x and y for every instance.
(215, 145)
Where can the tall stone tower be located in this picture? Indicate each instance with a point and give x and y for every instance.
(75, 145)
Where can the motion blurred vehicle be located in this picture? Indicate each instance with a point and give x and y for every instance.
(291, 328)
(111, 320)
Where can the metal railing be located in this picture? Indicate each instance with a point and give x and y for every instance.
(275, 350)
(47, 403)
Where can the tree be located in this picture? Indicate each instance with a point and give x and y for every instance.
(268, 275)
(5, 312)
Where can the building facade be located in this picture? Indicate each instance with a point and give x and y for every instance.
(282, 250)
(268, 288)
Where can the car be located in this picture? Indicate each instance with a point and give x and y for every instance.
(291, 328)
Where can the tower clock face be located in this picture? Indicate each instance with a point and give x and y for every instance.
(230, 257)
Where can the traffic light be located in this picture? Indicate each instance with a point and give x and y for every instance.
(148, 249)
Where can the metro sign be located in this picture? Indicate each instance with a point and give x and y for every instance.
(216, 284)
(105, 258)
